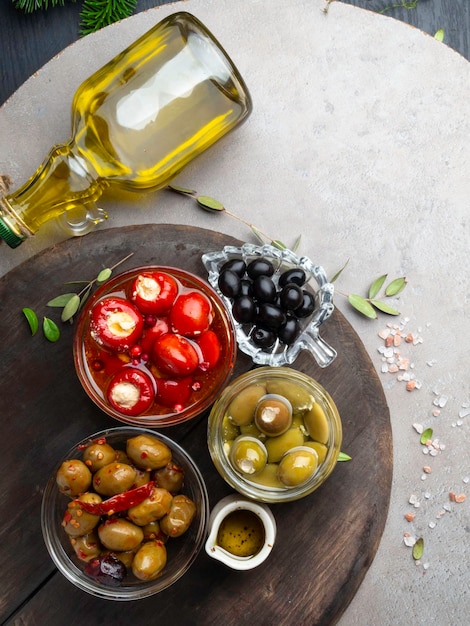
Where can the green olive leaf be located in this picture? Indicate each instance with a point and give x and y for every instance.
(257, 233)
(342, 456)
(426, 436)
(104, 275)
(296, 245)
(276, 243)
(32, 319)
(361, 305)
(70, 308)
(396, 286)
(210, 204)
(440, 35)
(51, 330)
(61, 301)
(385, 308)
(418, 549)
(338, 273)
(183, 190)
(377, 286)
(85, 295)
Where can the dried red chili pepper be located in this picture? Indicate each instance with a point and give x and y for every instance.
(119, 502)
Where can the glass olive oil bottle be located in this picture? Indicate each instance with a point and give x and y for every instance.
(136, 123)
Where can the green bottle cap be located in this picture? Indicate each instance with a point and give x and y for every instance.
(11, 238)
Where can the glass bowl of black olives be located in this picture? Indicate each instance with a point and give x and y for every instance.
(275, 310)
(274, 434)
(125, 513)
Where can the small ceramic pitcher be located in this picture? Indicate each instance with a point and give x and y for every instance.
(220, 512)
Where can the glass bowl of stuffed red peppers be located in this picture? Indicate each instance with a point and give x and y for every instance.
(276, 299)
(154, 346)
(125, 513)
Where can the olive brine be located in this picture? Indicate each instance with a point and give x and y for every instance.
(272, 308)
(125, 505)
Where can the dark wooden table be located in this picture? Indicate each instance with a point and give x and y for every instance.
(27, 42)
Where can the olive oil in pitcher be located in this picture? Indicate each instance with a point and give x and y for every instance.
(136, 123)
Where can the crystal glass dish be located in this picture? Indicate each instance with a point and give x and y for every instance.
(316, 425)
(182, 551)
(309, 338)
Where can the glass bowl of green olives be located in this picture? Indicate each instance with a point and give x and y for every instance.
(274, 434)
(125, 513)
(277, 301)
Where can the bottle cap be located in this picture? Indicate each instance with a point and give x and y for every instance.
(11, 238)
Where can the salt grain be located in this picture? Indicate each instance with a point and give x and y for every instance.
(432, 524)
(409, 541)
(464, 412)
(418, 428)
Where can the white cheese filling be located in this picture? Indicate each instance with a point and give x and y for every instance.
(125, 394)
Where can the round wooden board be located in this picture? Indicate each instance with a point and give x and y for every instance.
(326, 541)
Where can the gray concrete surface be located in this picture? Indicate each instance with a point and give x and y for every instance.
(359, 141)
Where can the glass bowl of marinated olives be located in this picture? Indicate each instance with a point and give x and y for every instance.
(274, 434)
(275, 310)
(125, 513)
(154, 346)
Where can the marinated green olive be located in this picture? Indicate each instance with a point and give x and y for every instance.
(152, 531)
(229, 429)
(319, 448)
(278, 446)
(170, 477)
(86, 547)
(142, 477)
(273, 415)
(148, 452)
(242, 408)
(126, 556)
(248, 455)
(97, 455)
(268, 477)
(114, 478)
(180, 516)
(316, 424)
(152, 508)
(120, 534)
(73, 478)
(299, 397)
(150, 560)
(297, 466)
(78, 522)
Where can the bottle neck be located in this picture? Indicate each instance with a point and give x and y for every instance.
(65, 182)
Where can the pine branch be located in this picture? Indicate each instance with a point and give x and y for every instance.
(28, 6)
(96, 14)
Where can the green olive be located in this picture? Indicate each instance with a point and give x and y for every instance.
(319, 448)
(152, 531)
(278, 446)
(147, 452)
(170, 477)
(268, 477)
(300, 399)
(248, 455)
(242, 408)
(97, 455)
(229, 429)
(180, 516)
(86, 547)
(120, 534)
(76, 520)
(273, 415)
(252, 430)
(142, 477)
(297, 466)
(73, 478)
(150, 560)
(316, 424)
(114, 478)
(126, 556)
(152, 508)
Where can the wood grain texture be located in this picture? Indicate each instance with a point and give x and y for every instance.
(326, 541)
(28, 41)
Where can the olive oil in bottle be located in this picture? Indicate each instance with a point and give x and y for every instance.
(136, 123)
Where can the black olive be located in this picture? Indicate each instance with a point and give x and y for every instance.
(235, 265)
(291, 297)
(289, 332)
(229, 283)
(308, 305)
(263, 338)
(294, 275)
(107, 569)
(270, 316)
(243, 309)
(264, 289)
(260, 267)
